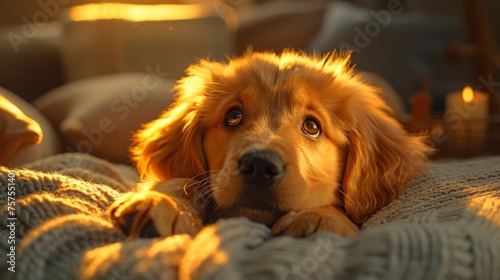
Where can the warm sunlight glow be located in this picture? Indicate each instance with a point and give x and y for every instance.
(338, 65)
(486, 208)
(100, 259)
(339, 68)
(192, 87)
(209, 245)
(136, 13)
(468, 94)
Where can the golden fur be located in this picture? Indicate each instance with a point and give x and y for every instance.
(334, 180)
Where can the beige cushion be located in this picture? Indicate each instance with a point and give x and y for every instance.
(388, 93)
(98, 115)
(25, 134)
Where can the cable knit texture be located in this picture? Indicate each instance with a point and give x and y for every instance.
(446, 225)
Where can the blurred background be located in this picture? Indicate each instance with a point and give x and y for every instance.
(48, 43)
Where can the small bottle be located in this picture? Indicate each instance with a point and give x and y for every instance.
(420, 108)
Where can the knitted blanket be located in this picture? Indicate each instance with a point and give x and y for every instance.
(446, 225)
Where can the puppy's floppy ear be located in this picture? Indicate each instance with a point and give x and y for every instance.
(171, 146)
(381, 156)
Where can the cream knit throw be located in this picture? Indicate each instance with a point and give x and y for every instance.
(446, 225)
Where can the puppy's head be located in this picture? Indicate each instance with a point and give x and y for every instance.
(276, 133)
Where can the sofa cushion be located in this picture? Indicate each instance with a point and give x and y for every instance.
(99, 115)
(25, 134)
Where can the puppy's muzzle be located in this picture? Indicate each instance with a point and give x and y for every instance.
(261, 168)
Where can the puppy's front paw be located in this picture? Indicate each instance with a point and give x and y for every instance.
(152, 214)
(309, 221)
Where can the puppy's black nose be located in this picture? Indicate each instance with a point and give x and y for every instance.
(261, 168)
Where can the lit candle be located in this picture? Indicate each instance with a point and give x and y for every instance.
(468, 105)
(466, 117)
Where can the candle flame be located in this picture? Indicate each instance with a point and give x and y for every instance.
(135, 12)
(468, 94)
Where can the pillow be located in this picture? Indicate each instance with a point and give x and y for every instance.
(99, 115)
(25, 134)
(401, 47)
(388, 93)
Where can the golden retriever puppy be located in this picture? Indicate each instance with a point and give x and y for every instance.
(296, 142)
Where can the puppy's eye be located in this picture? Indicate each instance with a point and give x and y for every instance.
(234, 117)
(311, 127)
